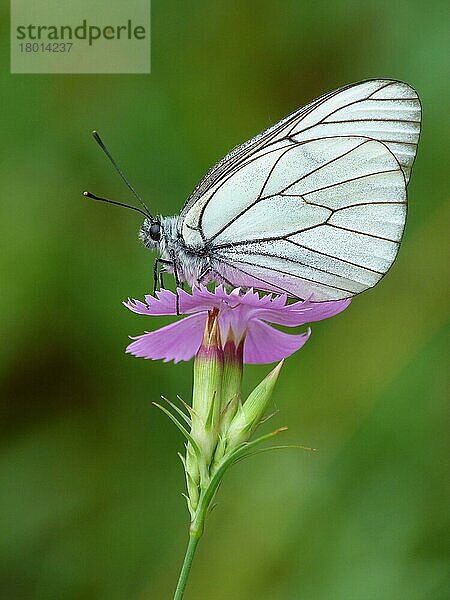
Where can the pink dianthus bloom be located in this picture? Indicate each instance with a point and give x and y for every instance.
(245, 313)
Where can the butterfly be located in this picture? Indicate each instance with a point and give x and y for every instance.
(313, 207)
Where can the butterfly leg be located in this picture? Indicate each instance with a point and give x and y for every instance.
(206, 271)
(157, 262)
(177, 279)
(203, 275)
(155, 275)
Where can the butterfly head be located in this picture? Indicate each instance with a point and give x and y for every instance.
(150, 233)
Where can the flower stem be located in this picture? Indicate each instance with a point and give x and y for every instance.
(206, 498)
(196, 532)
(187, 563)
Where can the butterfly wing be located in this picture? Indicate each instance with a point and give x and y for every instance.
(330, 232)
(384, 110)
(315, 206)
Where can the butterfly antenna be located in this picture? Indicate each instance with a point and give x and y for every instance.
(94, 197)
(99, 141)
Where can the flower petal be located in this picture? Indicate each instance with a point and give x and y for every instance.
(300, 313)
(164, 302)
(264, 344)
(239, 310)
(177, 341)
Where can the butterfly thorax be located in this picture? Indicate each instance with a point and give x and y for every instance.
(175, 255)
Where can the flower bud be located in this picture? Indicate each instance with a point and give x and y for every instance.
(231, 388)
(249, 415)
(232, 380)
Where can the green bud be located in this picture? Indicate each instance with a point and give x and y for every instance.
(249, 415)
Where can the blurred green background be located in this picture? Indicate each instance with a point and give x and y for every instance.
(90, 503)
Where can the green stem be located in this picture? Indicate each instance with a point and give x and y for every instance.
(187, 563)
(206, 497)
(195, 533)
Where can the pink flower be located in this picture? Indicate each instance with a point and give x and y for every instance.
(242, 312)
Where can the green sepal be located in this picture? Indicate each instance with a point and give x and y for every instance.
(178, 410)
(230, 457)
(190, 410)
(188, 502)
(183, 460)
(281, 447)
(209, 423)
(249, 415)
(183, 430)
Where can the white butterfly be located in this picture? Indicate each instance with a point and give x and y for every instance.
(315, 206)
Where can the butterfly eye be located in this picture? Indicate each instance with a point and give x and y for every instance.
(155, 231)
